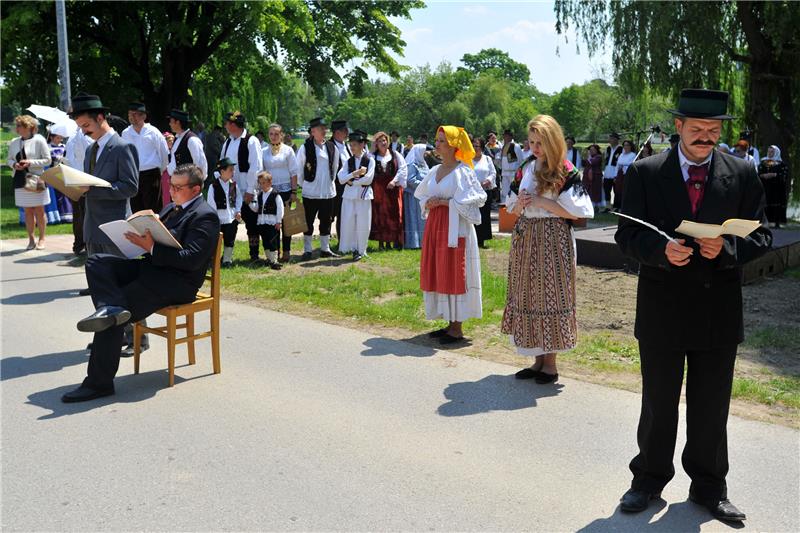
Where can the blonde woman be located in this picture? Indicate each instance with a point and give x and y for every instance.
(450, 267)
(29, 154)
(540, 306)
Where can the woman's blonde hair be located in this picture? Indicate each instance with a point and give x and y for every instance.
(27, 121)
(550, 176)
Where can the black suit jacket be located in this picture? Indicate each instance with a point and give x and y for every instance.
(697, 306)
(180, 273)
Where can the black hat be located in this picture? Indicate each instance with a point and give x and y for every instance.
(179, 114)
(137, 106)
(674, 138)
(570, 138)
(614, 134)
(86, 102)
(317, 121)
(225, 162)
(746, 135)
(508, 132)
(394, 132)
(358, 135)
(702, 103)
(337, 125)
(236, 117)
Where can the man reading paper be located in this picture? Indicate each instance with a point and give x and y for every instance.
(689, 302)
(128, 290)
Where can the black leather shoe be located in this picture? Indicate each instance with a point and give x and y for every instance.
(636, 501)
(328, 253)
(104, 318)
(528, 373)
(84, 394)
(128, 350)
(84, 292)
(449, 339)
(721, 509)
(306, 256)
(544, 378)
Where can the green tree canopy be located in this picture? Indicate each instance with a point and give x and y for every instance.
(492, 59)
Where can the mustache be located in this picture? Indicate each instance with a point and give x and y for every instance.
(703, 143)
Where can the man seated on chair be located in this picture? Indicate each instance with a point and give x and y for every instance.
(128, 290)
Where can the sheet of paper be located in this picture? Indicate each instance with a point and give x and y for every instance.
(740, 227)
(734, 226)
(160, 233)
(643, 223)
(75, 178)
(116, 232)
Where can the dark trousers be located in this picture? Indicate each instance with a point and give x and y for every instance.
(286, 240)
(117, 281)
(608, 186)
(78, 210)
(250, 219)
(337, 208)
(322, 208)
(709, 378)
(149, 194)
(229, 233)
(270, 237)
(484, 230)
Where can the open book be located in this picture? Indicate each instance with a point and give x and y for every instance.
(69, 180)
(139, 223)
(733, 226)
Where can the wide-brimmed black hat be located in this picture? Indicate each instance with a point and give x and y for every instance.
(236, 117)
(357, 135)
(508, 132)
(86, 102)
(702, 103)
(614, 134)
(225, 162)
(394, 132)
(179, 114)
(317, 121)
(337, 125)
(137, 106)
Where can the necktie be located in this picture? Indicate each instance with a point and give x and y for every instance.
(696, 185)
(93, 156)
(174, 211)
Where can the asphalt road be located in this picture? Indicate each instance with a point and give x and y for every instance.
(311, 426)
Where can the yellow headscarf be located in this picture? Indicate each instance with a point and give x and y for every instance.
(458, 138)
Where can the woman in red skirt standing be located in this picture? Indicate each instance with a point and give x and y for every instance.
(387, 187)
(450, 267)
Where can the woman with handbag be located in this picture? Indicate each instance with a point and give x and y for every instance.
(28, 154)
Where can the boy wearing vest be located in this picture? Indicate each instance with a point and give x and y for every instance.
(356, 176)
(226, 198)
(269, 208)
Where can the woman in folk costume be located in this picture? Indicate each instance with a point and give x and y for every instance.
(774, 176)
(625, 160)
(593, 175)
(540, 306)
(356, 174)
(387, 205)
(413, 223)
(483, 165)
(450, 267)
(278, 159)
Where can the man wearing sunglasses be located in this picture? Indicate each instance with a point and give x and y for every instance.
(128, 290)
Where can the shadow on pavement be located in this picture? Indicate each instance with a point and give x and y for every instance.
(16, 367)
(412, 347)
(35, 298)
(683, 516)
(44, 258)
(129, 388)
(493, 393)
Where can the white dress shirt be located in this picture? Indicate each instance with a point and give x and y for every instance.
(150, 145)
(76, 149)
(282, 166)
(247, 181)
(269, 219)
(360, 188)
(195, 149)
(685, 163)
(323, 186)
(226, 215)
(101, 143)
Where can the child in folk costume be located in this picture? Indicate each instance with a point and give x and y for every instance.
(268, 205)
(226, 198)
(539, 315)
(450, 267)
(356, 173)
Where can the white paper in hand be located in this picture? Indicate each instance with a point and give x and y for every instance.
(116, 231)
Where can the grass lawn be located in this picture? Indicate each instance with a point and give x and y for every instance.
(10, 227)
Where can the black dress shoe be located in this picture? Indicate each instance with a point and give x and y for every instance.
(636, 501)
(449, 339)
(104, 318)
(128, 350)
(84, 394)
(544, 378)
(528, 373)
(328, 253)
(306, 256)
(721, 509)
(84, 292)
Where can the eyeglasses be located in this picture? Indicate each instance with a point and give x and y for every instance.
(176, 188)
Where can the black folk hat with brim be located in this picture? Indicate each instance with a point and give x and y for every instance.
(337, 125)
(236, 117)
(139, 107)
(179, 114)
(225, 162)
(358, 135)
(317, 121)
(83, 103)
(702, 103)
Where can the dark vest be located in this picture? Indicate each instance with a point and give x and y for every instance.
(310, 170)
(219, 194)
(351, 163)
(243, 155)
(391, 169)
(270, 207)
(182, 155)
(613, 158)
(511, 154)
(575, 156)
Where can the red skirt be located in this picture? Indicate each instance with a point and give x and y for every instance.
(387, 211)
(442, 269)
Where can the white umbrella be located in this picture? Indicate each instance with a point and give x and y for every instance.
(67, 128)
(50, 114)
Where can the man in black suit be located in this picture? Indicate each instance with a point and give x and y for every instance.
(128, 290)
(689, 302)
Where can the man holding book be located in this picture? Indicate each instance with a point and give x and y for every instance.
(689, 303)
(128, 290)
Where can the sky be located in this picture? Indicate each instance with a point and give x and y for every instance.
(526, 30)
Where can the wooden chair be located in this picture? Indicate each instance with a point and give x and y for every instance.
(203, 302)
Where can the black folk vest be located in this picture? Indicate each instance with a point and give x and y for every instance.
(270, 207)
(242, 155)
(611, 159)
(310, 169)
(182, 155)
(219, 194)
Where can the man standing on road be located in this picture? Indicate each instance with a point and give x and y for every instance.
(153, 152)
(689, 302)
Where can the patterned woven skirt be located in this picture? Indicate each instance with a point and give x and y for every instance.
(540, 305)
